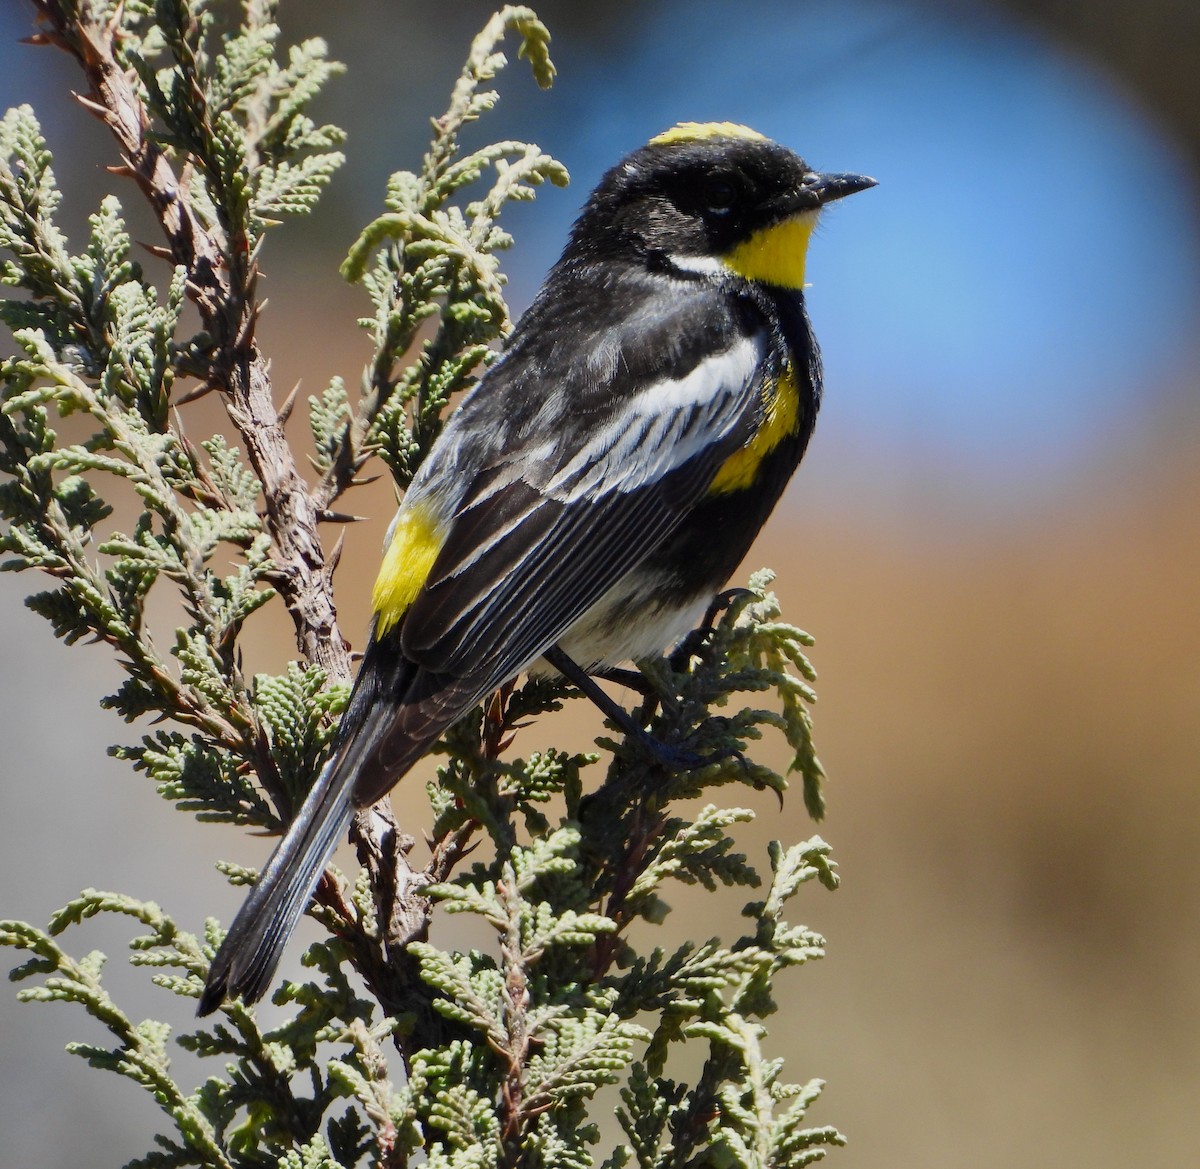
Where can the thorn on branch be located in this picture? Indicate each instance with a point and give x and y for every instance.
(195, 395)
(334, 557)
(245, 334)
(289, 404)
(48, 39)
(158, 251)
(113, 28)
(92, 107)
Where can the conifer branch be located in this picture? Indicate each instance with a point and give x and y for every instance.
(499, 1052)
(221, 263)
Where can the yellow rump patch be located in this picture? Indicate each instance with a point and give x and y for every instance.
(414, 546)
(782, 419)
(702, 131)
(776, 254)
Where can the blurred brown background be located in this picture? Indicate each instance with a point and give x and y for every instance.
(1008, 693)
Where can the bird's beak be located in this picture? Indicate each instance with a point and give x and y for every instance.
(817, 189)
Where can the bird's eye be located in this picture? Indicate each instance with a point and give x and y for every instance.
(719, 196)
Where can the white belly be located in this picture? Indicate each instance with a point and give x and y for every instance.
(628, 623)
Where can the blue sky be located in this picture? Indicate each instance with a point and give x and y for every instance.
(1018, 292)
(1020, 288)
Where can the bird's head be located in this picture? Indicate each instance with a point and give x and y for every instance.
(712, 197)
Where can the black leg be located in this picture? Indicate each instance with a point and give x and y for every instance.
(582, 681)
(670, 757)
(630, 679)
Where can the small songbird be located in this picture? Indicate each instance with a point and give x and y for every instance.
(595, 490)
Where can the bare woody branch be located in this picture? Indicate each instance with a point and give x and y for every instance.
(221, 281)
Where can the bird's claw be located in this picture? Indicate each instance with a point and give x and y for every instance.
(674, 758)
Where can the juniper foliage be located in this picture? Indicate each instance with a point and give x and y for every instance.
(393, 1048)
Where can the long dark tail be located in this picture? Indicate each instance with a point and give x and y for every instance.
(245, 964)
(396, 710)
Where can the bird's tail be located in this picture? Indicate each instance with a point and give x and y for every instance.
(245, 964)
(396, 710)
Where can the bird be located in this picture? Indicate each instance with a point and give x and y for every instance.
(594, 490)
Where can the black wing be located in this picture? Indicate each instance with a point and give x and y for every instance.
(580, 468)
(587, 465)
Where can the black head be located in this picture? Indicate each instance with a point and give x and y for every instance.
(711, 196)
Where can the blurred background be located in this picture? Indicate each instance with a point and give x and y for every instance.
(993, 539)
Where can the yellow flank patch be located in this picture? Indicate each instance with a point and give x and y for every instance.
(775, 254)
(702, 131)
(782, 419)
(406, 564)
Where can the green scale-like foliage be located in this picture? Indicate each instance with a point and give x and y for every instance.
(393, 1049)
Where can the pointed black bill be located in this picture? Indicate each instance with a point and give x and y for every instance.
(830, 187)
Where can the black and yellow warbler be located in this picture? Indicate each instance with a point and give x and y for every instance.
(595, 490)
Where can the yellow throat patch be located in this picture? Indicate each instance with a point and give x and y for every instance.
(410, 554)
(702, 131)
(776, 254)
(782, 419)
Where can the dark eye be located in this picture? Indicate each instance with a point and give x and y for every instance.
(719, 195)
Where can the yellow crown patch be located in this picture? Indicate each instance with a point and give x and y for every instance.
(701, 131)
